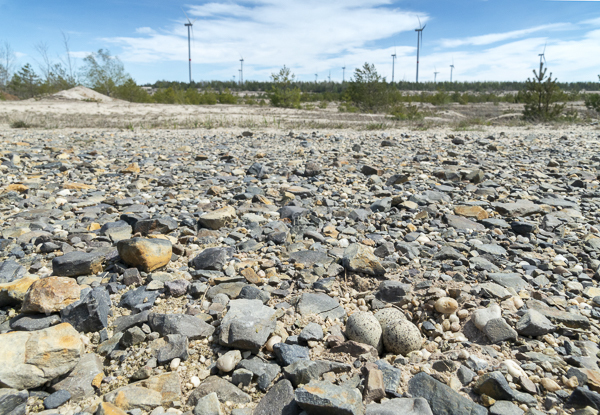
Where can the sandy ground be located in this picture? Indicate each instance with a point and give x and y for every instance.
(83, 108)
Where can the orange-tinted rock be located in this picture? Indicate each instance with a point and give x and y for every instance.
(471, 212)
(50, 295)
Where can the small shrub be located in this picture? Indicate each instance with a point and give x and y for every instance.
(19, 124)
(541, 96)
(226, 97)
(406, 112)
(323, 105)
(592, 101)
(282, 93)
(368, 90)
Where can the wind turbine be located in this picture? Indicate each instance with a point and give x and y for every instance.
(189, 26)
(241, 70)
(435, 75)
(393, 64)
(451, 69)
(316, 76)
(419, 40)
(329, 77)
(344, 73)
(542, 56)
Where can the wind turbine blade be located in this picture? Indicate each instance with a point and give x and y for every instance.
(186, 16)
(544, 48)
(419, 21)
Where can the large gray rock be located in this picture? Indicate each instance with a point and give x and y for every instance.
(279, 400)
(30, 359)
(212, 259)
(324, 398)
(498, 330)
(247, 325)
(534, 324)
(79, 380)
(189, 326)
(13, 402)
(225, 391)
(400, 406)
(442, 399)
(310, 258)
(558, 316)
(392, 291)
(320, 303)
(303, 371)
(462, 223)
(518, 208)
(509, 280)
(76, 263)
(10, 271)
(90, 313)
(208, 405)
(495, 385)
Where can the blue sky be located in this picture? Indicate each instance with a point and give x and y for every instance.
(487, 40)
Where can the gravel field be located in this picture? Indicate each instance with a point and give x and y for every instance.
(263, 270)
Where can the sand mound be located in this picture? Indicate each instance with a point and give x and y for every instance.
(81, 93)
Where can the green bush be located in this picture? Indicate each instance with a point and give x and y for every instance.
(19, 124)
(130, 91)
(406, 112)
(368, 90)
(281, 92)
(226, 97)
(592, 102)
(541, 97)
(166, 96)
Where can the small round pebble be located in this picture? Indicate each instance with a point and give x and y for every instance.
(227, 362)
(272, 342)
(363, 327)
(446, 305)
(402, 337)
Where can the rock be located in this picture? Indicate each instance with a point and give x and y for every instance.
(10, 271)
(505, 408)
(392, 291)
(225, 391)
(465, 375)
(30, 359)
(132, 276)
(176, 347)
(212, 259)
(481, 317)
(442, 399)
(162, 225)
(217, 219)
(497, 330)
(462, 223)
(402, 337)
(90, 313)
(13, 402)
(509, 280)
(374, 389)
(363, 327)
(534, 324)
(446, 305)
(360, 258)
(476, 212)
(176, 288)
(247, 325)
(50, 295)
(57, 399)
(107, 408)
(132, 336)
(559, 317)
(400, 406)
(229, 360)
(321, 304)
(34, 322)
(279, 400)
(117, 231)
(145, 254)
(303, 371)
(290, 353)
(310, 258)
(495, 386)
(549, 385)
(208, 405)
(139, 299)
(76, 263)
(189, 326)
(137, 397)
(582, 397)
(79, 381)
(312, 332)
(13, 293)
(519, 208)
(321, 397)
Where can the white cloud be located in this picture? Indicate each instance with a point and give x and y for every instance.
(499, 37)
(145, 30)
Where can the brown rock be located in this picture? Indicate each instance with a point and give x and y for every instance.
(356, 349)
(446, 305)
(132, 168)
(50, 295)
(145, 254)
(12, 293)
(374, 387)
(78, 186)
(107, 408)
(217, 218)
(471, 212)
(251, 276)
(15, 187)
(528, 385)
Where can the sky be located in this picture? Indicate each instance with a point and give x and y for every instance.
(486, 40)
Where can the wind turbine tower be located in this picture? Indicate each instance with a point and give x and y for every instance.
(393, 64)
(189, 26)
(419, 41)
(451, 69)
(435, 75)
(316, 76)
(542, 56)
(343, 74)
(329, 77)
(241, 70)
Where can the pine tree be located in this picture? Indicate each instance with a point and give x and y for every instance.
(25, 83)
(541, 96)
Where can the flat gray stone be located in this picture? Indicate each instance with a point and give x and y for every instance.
(247, 325)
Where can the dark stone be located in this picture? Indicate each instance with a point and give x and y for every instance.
(441, 398)
(212, 258)
(495, 386)
(391, 376)
(10, 271)
(176, 347)
(582, 397)
(250, 292)
(123, 323)
(139, 299)
(90, 313)
(13, 402)
(225, 391)
(190, 326)
(392, 291)
(288, 353)
(25, 322)
(162, 225)
(57, 399)
(76, 263)
(279, 400)
(132, 276)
